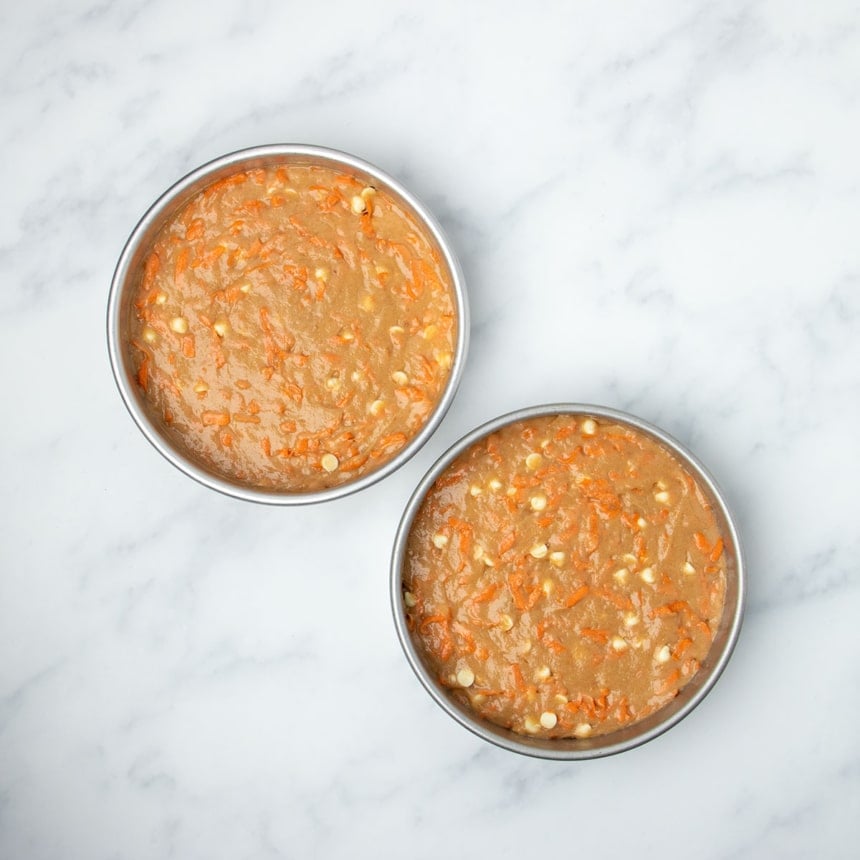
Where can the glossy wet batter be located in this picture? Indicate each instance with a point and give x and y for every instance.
(564, 577)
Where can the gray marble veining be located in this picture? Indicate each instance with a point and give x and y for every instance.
(656, 208)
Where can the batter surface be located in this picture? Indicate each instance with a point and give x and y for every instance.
(293, 328)
(564, 577)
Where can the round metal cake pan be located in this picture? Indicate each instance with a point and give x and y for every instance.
(125, 280)
(638, 733)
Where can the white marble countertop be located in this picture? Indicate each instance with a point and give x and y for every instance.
(656, 210)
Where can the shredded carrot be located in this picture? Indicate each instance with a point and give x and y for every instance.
(507, 543)
(143, 373)
(669, 681)
(619, 600)
(464, 530)
(487, 594)
(433, 619)
(181, 263)
(216, 419)
(515, 581)
(226, 182)
(717, 550)
(673, 608)
(577, 595)
(466, 636)
(354, 463)
(682, 646)
(150, 270)
(194, 230)
(519, 681)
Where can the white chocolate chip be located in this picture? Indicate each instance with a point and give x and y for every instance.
(543, 673)
(478, 699)
(367, 192)
(647, 575)
(396, 330)
(618, 643)
(399, 377)
(539, 550)
(488, 561)
(511, 491)
(332, 383)
(620, 575)
(358, 205)
(560, 699)
(444, 358)
(662, 497)
(525, 646)
(429, 332)
(440, 541)
(201, 388)
(321, 274)
(478, 552)
(465, 677)
(409, 599)
(548, 720)
(160, 298)
(583, 730)
(329, 462)
(475, 490)
(641, 523)
(506, 622)
(149, 334)
(556, 559)
(689, 569)
(220, 327)
(533, 461)
(548, 586)
(367, 303)
(347, 335)
(631, 619)
(494, 484)
(588, 427)
(245, 288)
(663, 654)
(179, 325)
(377, 407)
(538, 502)
(531, 725)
